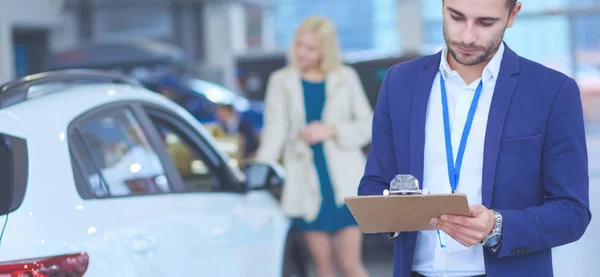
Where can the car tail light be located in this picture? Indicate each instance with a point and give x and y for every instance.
(73, 265)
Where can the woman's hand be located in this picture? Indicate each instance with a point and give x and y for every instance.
(316, 132)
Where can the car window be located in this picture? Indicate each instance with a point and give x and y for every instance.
(193, 166)
(117, 157)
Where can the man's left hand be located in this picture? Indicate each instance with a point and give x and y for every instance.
(468, 231)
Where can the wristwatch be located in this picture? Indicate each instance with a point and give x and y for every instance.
(393, 235)
(495, 237)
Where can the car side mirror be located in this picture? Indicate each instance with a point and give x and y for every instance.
(6, 195)
(13, 173)
(263, 176)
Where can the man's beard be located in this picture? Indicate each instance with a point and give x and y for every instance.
(488, 51)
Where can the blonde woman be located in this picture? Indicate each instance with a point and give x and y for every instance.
(317, 118)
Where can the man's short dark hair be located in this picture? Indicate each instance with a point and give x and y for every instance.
(227, 106)
(511, 4)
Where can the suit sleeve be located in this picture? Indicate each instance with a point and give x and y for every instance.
(565, 214)
(381, 163)
(357, 132)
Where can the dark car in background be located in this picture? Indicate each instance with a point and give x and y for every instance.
(158, 66)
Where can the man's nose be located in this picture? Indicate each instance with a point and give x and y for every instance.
(468, 35)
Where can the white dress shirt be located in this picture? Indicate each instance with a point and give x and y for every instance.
(454, 260)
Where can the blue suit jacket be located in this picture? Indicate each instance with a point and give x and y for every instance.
(535, 168)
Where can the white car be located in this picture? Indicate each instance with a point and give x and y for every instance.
(101, 177)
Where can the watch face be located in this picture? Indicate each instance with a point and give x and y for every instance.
(493, 240)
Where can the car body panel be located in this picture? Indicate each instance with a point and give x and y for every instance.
(215, 233)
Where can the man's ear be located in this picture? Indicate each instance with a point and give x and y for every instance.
(513, 14)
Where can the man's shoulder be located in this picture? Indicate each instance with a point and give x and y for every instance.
(245, 122)
(410, 67)
(540, 74)
(542, 83)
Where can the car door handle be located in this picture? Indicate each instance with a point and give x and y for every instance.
(143, 244)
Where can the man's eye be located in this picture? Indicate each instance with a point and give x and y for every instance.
(486, 23)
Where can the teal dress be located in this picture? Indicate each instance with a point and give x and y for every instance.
(331, 218)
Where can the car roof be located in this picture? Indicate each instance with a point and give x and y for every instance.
(44, 118)
(54, 105)
(68, 103)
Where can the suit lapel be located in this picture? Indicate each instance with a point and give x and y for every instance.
(418, 116)
(503, 92)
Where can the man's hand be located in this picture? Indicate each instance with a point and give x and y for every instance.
(316, 132)
(468, 231)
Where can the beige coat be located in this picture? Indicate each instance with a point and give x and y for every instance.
(346, 108)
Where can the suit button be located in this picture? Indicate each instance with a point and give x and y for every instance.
(519, 251)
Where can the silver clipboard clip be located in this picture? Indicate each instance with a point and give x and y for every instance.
(404, 184)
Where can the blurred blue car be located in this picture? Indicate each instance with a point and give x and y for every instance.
(250, 110)
(201, 98)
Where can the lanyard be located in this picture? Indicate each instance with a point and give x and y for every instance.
(454, 169)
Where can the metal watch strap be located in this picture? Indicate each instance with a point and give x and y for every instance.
(497, 228)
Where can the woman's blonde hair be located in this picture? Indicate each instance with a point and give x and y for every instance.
(331, 58)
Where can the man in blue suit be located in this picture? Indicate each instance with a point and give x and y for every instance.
(478, 119)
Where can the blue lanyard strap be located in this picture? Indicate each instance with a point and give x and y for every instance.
(454, 169)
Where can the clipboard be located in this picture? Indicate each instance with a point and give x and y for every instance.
(404, 213)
